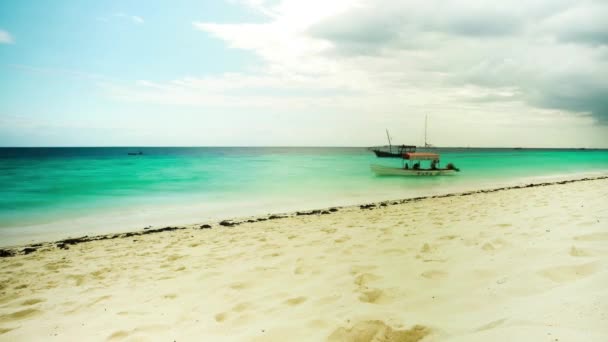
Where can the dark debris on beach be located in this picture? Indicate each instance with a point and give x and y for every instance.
(66, 243)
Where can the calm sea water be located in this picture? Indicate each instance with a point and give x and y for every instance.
(54, 192)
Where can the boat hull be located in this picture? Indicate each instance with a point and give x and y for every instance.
(394, 171)
(395, 151)
(383, 154)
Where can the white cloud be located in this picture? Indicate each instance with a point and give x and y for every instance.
(472, 64)
(6, 38)
(137, 20)
(133, 18)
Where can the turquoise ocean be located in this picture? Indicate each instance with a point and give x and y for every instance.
(51, 193)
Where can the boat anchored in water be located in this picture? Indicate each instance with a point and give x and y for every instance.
(390, 151)
(411, 166)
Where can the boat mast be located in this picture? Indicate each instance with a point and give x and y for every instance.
(390, 149)
(426, 119)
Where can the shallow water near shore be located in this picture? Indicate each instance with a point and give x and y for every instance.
(57, 192)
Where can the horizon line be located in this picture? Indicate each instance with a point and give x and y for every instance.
(293, 146)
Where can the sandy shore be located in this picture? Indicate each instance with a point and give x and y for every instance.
(516, 264)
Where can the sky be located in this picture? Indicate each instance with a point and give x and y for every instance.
(304, 73)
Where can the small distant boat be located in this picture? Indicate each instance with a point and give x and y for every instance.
(390, 151)
(411, 166)
(139, 153)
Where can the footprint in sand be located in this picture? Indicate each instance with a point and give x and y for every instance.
(564, 274)
(342, 239)
(295, 301)
(118, 335)
(18, 315)
(300, 270)
(362, 280)
(329, 230)
(220, 317)
(5, 330)
(98, 300)
(174, 257)
(488, 247)
(271, 255)
(494, 245)
(369, 295)
(242, 307)
(239, 286)
(577, 252)
(101, 274)
(372, 296)
(491, 325)
(78, 279)
(32, 301)
(150, 330)
(426, 248)
(368, 331)
(434, 274)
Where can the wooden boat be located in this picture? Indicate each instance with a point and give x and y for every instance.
(390, 151)
(411, 166)
(396, 171)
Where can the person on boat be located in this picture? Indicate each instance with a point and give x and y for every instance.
(434, 165)
(406, 166)
(417, 166)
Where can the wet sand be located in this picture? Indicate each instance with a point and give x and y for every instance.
(526, 263)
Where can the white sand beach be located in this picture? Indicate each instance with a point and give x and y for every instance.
(527, 264)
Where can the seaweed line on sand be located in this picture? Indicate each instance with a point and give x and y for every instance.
(66, 243)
